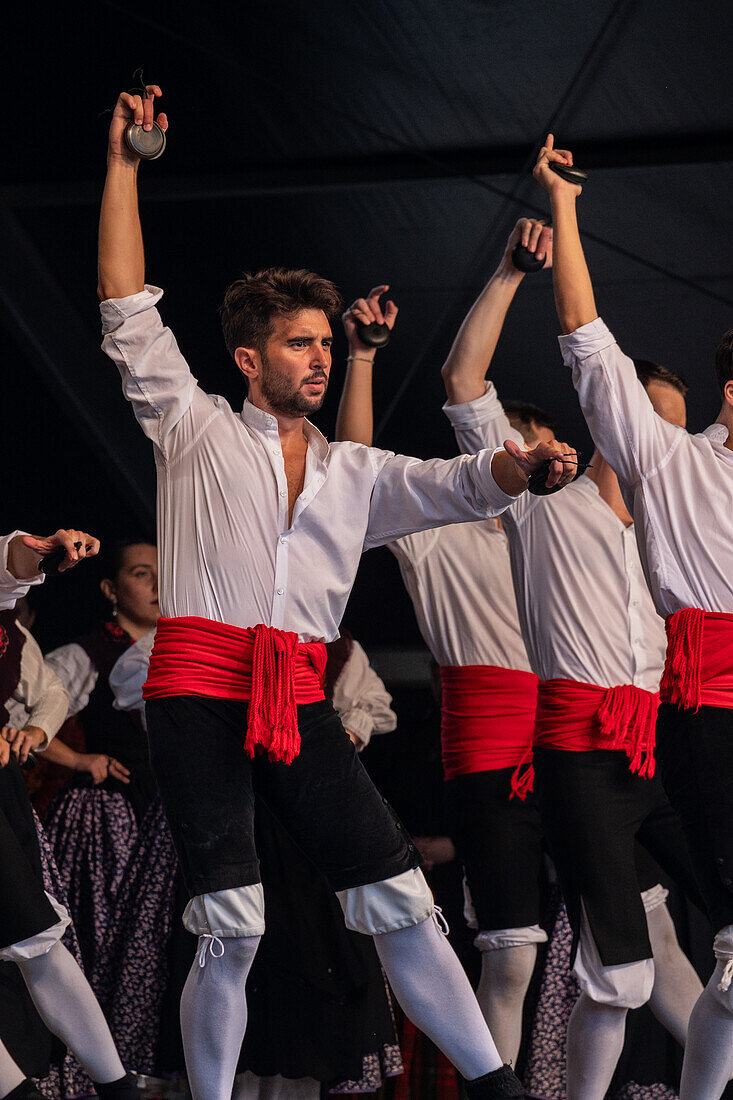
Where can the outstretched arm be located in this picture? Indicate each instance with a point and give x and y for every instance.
(473, 349)
(574, 299)
(355, 419)
(121, 256)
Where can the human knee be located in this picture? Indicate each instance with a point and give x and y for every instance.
(398, 902)
(36, 946)
(721, 983)
(509, 969)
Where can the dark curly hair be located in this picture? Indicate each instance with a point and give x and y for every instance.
(250, 303)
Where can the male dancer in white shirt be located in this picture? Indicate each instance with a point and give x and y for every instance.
(596, 643)
(679, 488)
(467, 616)
(261, 527)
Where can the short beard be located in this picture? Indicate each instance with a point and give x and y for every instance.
(282, 397)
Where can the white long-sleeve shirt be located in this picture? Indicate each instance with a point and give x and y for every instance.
(460, 583)
(359, 695)
(226, 550)
(678, 486)
(11, 589)
(584, 609)
(39, 698)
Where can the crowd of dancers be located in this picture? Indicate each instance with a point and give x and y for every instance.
(219, 829)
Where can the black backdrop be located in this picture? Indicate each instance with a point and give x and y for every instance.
(386, 142)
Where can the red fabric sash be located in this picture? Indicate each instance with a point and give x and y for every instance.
(268, 667)
(487, 717)
(699, 667)
(578, 717)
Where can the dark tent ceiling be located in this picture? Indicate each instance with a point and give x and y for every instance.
(387, 142)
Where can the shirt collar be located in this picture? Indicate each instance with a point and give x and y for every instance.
(262, 421)
(717, 433)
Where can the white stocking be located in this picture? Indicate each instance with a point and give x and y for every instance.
(595, 1039)
(708, 1064)
(11, 1074)
(68, 1007)
(505, 976)
(676, 984)
(214, 1014)
(435, 993)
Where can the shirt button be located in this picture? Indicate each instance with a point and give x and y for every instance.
(280, 591)
(637, 641)
(631, 565)
(283, 493)
(634, 603)
(283, 540)
(275, 451)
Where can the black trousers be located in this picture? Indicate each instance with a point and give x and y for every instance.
(325, 799)
(499, 841)
(694, 750)
(594, 810)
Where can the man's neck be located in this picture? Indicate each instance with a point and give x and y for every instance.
(726, 419)
(608, 487)
(291, 429)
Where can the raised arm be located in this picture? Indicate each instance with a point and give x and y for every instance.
(464, 371)
(633, 439)
(121, 256)
(355, 419)
(574, 299)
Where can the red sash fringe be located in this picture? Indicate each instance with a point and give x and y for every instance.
(269, 668)
(578, 717)
(699, 666)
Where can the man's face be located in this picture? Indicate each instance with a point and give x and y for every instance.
(532, 432)
(668, 403)
(296, 363)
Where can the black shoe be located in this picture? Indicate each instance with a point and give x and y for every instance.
(124, 1089)
(498, 1083)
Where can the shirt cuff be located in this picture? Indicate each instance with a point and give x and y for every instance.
(359, 722)
(472, 414)
(585, 341)
(12, 589)
(116, 310)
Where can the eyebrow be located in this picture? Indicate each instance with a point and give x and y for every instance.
(308, 336)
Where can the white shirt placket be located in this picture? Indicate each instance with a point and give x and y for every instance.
(636, 595)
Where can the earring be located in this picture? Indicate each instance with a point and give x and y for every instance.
(114, 609)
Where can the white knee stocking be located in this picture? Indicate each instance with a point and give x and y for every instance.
(11, 1074)
(434, 991)
(595, 1039)
(505, 976)
(676, 984)
(214, 1014)
(708, 1064)
(68, 1007)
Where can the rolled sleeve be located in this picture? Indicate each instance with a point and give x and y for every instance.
(40, 691)
(481, 423)
(361, 700)
(632, 437)
(156, 379)
(12, 589)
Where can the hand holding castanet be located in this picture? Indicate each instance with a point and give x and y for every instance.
(135, 134)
